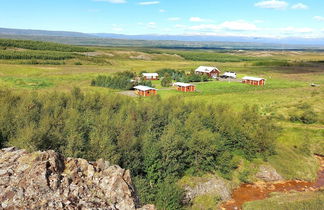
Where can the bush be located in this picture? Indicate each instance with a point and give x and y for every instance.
(157, 140)
(166, 81)
(121, 80)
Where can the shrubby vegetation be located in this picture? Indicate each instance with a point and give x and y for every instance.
(30, 54)
(213, 56)
(304, 113)
(38, 45)
(181, 76)
(121, 80)
(158, 140)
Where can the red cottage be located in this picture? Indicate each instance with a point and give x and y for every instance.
(185, 87)
(253, 80)
(150, 76)
(145, 91)
(208, 70)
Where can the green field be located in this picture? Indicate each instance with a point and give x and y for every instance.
(286, 98)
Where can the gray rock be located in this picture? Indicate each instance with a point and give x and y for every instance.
(213, 185)
(47, 180)
(268, 174)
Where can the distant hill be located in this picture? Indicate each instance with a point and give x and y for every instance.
(285, 41)
(166, 41)
(30, 32)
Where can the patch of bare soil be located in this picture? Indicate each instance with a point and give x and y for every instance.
(92, 54)
(261, 190)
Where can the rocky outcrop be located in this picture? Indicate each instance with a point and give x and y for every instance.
(47, 180)
(212, 185)
(268, 174)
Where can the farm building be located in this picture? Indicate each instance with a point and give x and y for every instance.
(208, 70)
(253, 80)
(185, 87)
(145, 91)
(150, 76)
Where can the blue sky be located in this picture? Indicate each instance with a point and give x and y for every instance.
(266, 18)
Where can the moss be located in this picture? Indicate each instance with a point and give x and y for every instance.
(208, 202)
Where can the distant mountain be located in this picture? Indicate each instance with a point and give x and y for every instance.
(152, 40)
(198, 38)
(31, 32)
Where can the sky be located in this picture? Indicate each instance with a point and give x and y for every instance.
(263, 18)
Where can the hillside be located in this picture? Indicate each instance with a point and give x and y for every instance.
(183, 149)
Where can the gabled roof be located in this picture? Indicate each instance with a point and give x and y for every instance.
(206, 69)
(143, 88)
(252, 78)
(181, 84)
(150, 74)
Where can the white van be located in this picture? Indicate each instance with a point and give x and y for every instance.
(229, 74)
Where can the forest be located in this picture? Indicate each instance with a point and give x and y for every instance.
(153, 138)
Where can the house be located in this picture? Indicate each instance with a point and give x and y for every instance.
(145, 91)
(185, 87)
(253, 80)
(150, 76)
(208, 70)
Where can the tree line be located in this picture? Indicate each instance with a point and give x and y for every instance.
(30, 54)
(158, 140)
(121, 80)
(39, 45)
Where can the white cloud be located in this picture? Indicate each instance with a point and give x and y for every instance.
(272, 4)
(113, 1)
(299, 6)
(205, 27)
(180, 26)
(238, 25)
(148, 2)
(151, 25)
(162, 10)
(319, 18)
(198, 19)
(174, 19)
(296, 30)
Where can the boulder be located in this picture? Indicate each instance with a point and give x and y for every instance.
(212, 185)
(268, 173)
(47, 180)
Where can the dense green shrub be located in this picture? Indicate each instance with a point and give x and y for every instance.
(166, 81)
(121, 80)
(304, 113)
(158, 140)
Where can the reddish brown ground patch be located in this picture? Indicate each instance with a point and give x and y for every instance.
(261, 190)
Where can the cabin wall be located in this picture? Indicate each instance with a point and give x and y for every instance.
(252, 82)
(151, 78)
(186, 89)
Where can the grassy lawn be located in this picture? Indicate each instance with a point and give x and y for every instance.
(292, 201)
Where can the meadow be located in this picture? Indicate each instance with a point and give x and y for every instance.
(286, 98)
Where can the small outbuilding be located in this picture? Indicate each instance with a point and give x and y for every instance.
(210, 71)
(145, 90)
(253, 80)
(150, 76)
(185, 87)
